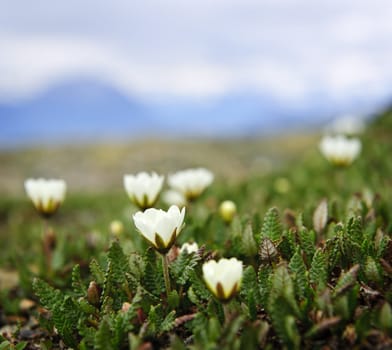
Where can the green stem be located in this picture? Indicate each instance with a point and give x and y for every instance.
(46, 245)
(165, 265)
(226, 312)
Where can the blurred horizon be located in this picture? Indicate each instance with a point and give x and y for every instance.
(87, 72)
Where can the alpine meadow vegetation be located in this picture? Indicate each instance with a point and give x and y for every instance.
(298, 258)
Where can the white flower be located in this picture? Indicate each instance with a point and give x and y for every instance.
(172, 197)
(189, 248)
(47, 195)
(159, 227)
(191, 182)
(227, 210)
(143, 188)
(223, 278)
(340, 150)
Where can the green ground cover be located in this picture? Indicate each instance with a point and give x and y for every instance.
(307, 283)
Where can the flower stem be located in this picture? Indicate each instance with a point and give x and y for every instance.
(226, 312)
(165, 265)
(48, 241)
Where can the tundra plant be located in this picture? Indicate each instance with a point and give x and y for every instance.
(46, 194)
(160, 229)
(143, 188)
(223, 278)
(340, 150)
(191, 182)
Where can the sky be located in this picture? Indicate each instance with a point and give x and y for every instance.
(298, 52)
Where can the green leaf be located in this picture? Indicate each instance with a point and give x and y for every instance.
(307, 241)
(153, 275)
(282, 285)
(346, 280)
(119, 262)
(97, 272)
(66, 314)
(199, 288)
(103, 337)
(123, 321)
(371, 270)
(318, 270)
(284, 323)
(5, 345)
(385, 317)
(272, 227)
(168, 322)
(155, 319)
(248, 243)
(173, 299)
(21, 345)
(354, 229)
(298, 269)
(249, 290)
(77, 283)
(49, 297)
(182, 268)
(264, 283)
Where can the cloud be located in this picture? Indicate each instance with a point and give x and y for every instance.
(290, 50)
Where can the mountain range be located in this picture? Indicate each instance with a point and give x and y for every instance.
(87, 110)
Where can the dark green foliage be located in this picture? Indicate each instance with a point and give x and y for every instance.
(183, 266)
(152, 277)
(103, 336)
(77, 283)
(272, 227)
(307, 241)
(318, 272)
(300, 275)
(97, 272)
(250, 291)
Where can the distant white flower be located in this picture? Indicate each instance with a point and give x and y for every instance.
(223, 278)
(340, 150)
(227, 210)
(189, 248)
(159, 227)
(346, 124)
(191, 182)
(47, 195)
(172, 197)
(143, 189)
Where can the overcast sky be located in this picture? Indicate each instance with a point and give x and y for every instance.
(293, 50)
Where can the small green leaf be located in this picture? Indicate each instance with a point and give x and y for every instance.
(272, 227)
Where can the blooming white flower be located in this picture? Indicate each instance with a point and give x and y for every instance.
(191, 182)
(227, 210)
(159, 227)
(223, 278)
(340, 150)
(143, 189)
(47, 195)
(173, 197)
(189, 248)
